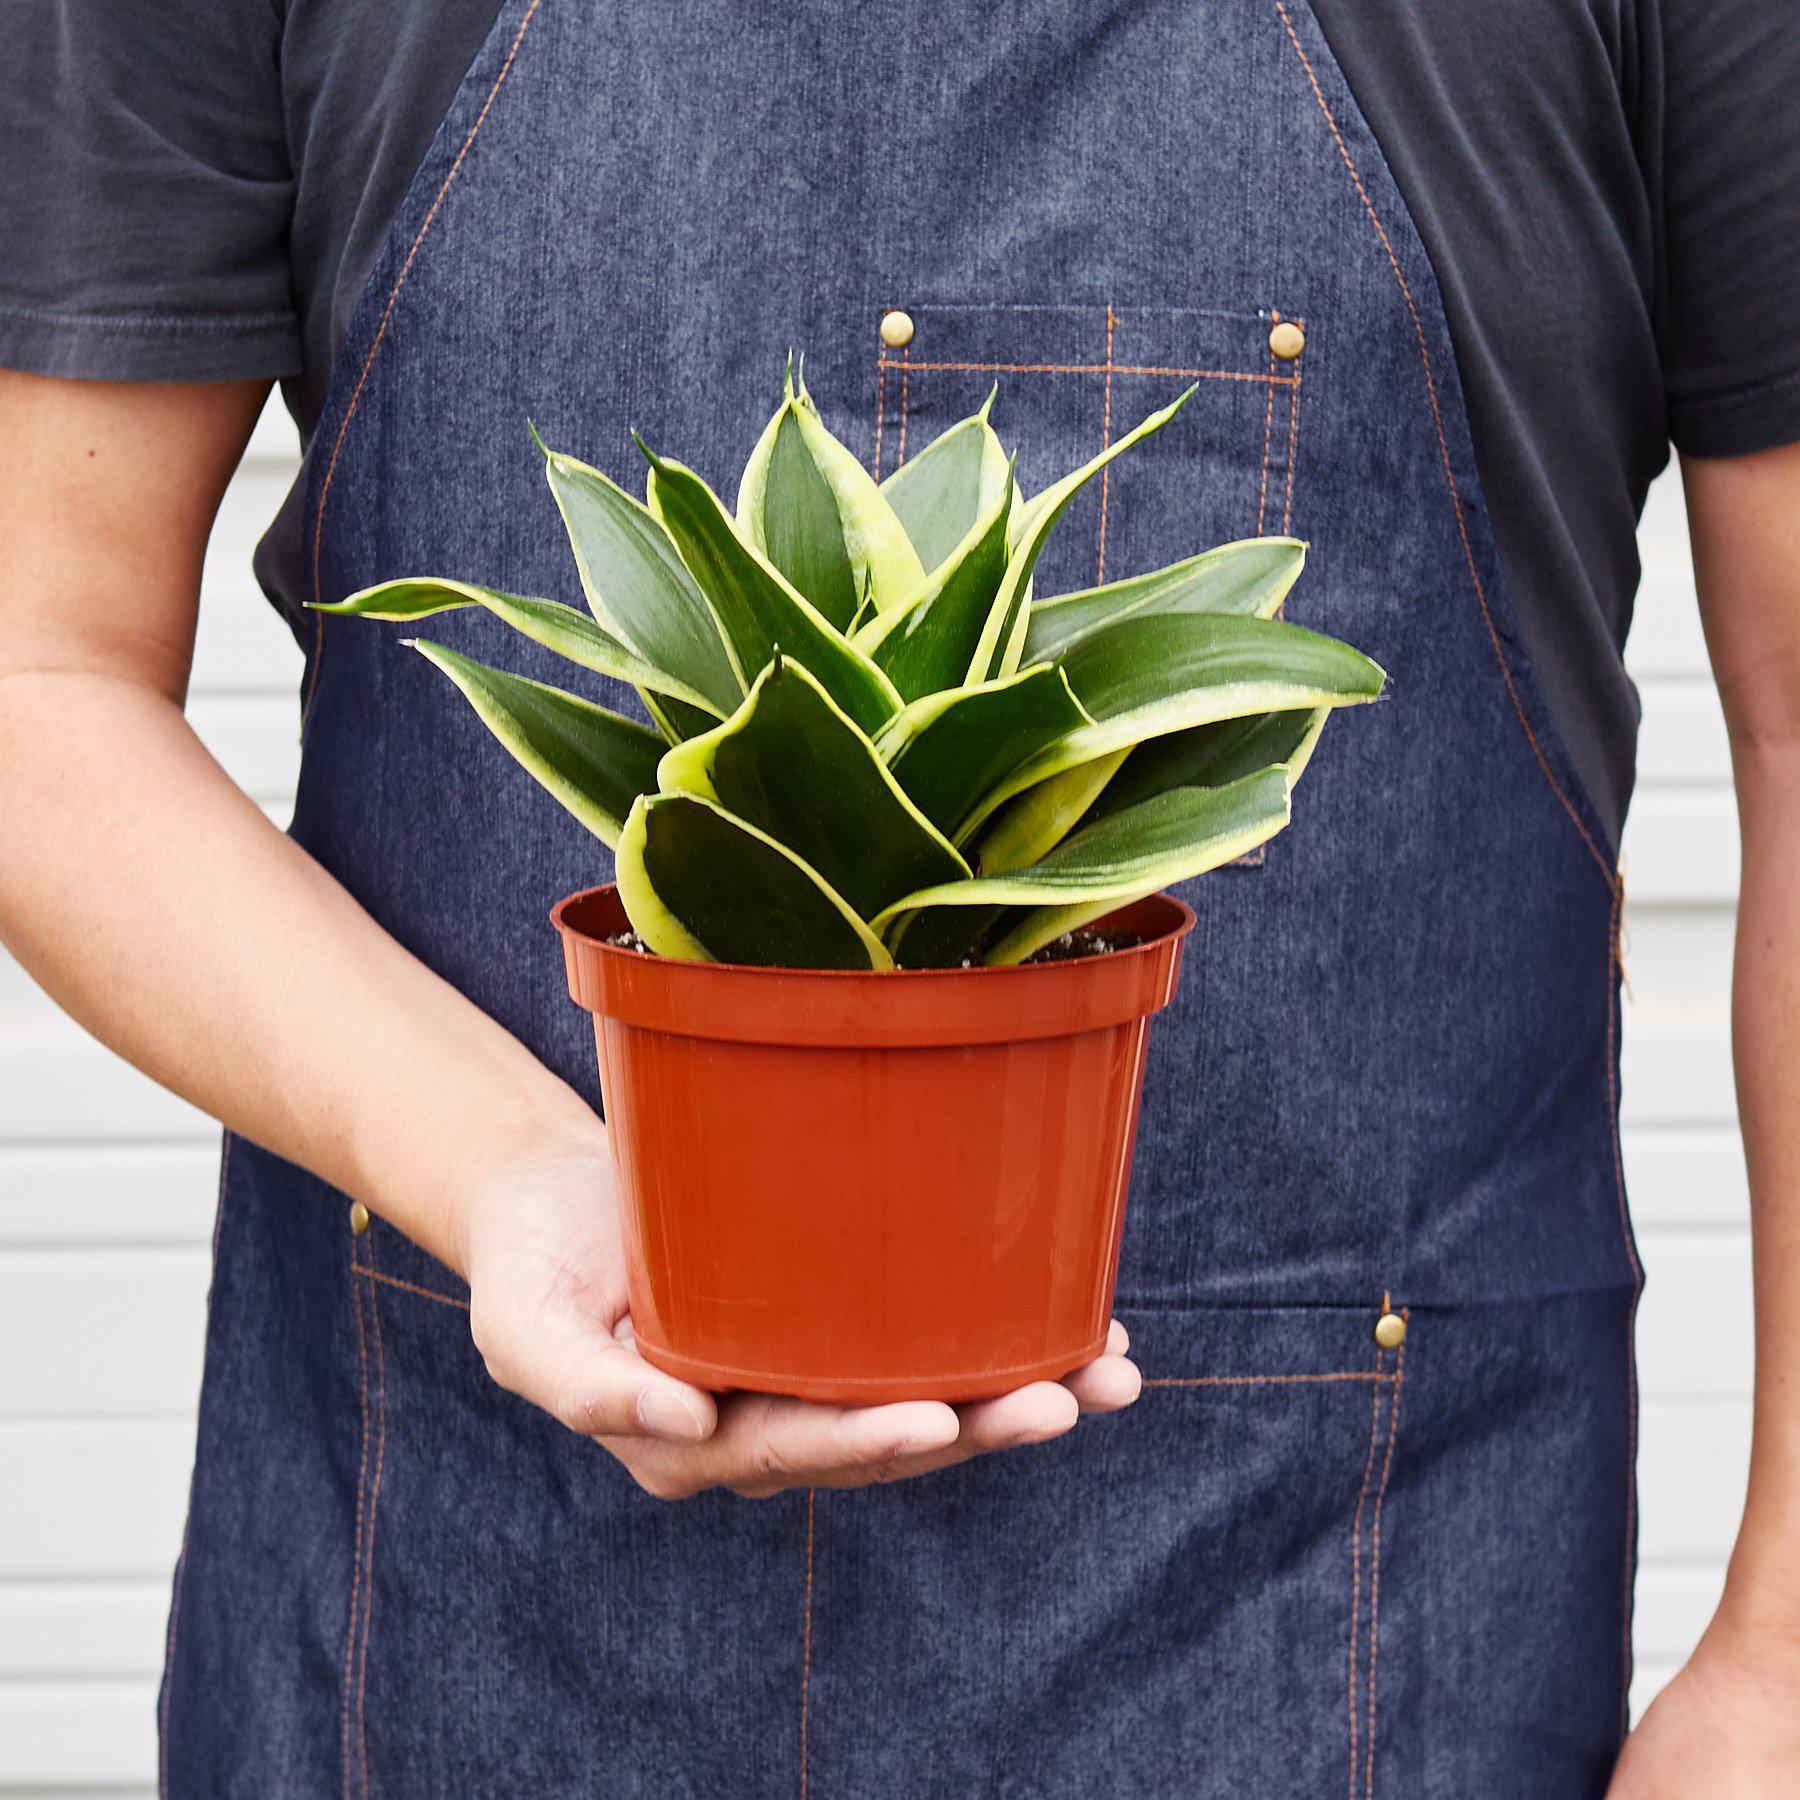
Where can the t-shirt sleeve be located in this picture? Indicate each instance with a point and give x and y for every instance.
(147, 191)
(1730, 321)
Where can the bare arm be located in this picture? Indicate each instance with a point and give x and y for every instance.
(256, 986)
(259, 989)
(1730, 1723)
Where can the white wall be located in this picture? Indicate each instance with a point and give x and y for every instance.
(106, 1194)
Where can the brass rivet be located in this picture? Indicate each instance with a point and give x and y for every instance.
(359, 1217)
(1390, 1331)
(1286, 340)
(896, 330)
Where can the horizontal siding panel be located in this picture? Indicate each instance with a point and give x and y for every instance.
(108, 1196)
(1685, 1178)
(93, 1501)
(58, 1085)
(244, 648)
(275, 439)
(255, 738)
(1677, 958)
(1693, 1459)
(1681, 845)
(1674, 1605)
(113, 1332)
(1666, 637)
(1648, 1679)
(1696, 1320)
(96, 1630)
(1682, 741)
(1676, 1073)
(249, 508)
(95, 1733)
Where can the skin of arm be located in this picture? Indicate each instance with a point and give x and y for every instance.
(1729, 1724)
(154, 901)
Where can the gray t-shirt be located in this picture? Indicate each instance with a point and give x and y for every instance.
(1609, 190)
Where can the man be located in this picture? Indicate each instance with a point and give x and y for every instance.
(1449, 278)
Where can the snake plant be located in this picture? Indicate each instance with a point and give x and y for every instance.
(872, 744)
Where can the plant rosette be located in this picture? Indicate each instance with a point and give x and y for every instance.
(872, 1141)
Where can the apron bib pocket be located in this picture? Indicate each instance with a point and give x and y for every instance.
(1073, 378)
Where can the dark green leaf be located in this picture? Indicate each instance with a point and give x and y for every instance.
(927, 646)
(1169, 838)
(1147, 677)
(787, 510)
(636, 585)
(882, 558)
(560, 628)
(594, 762)
(1212, 756)
(937, 494)
(792, 764)
(1003, 640)
(701, 885)
(759, 609)
(1249, 578)
(949, 750)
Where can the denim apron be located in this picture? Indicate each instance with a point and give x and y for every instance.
(1307, 1561)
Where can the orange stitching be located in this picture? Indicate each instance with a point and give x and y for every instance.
(362, 1472)
(1105, 445)
(1387, 1465)
(1268, 433)
(812, 1495)
(381, 332)
(1259, 1380)
(407, 1287)
(1637, 1275)
(980, 368)
(904, 366)
(162, 1747)
(1287, 510)
(1506, 676)
(880, 408)
(1356, 1554)
(362, 1661)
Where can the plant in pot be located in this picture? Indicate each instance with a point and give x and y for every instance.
(872, 990)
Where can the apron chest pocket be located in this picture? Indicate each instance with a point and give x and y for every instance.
(1071, 380)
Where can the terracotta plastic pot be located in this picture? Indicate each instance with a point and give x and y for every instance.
(863, 1187)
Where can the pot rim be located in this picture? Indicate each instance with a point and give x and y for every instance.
(1180, 920)
(871, 1008)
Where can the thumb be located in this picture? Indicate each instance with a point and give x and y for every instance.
(593, 1381)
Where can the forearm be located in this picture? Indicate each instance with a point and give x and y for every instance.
(157, 904)
(1764, 1587)
(1745, 516)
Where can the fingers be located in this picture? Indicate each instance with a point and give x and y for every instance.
(590, 1380)
(1108, 1384)
(760, 1445)
(764, 1444)
(1028, 1415)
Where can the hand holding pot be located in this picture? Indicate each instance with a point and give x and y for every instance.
(546, 1270)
